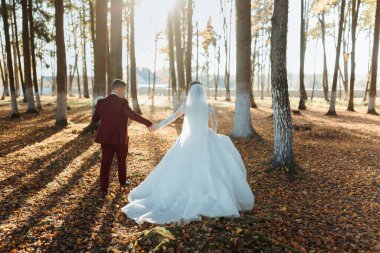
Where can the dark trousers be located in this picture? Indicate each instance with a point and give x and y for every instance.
(108, 151)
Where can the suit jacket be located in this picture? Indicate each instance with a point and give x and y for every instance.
(113, 113)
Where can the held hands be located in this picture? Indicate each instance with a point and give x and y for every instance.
(153, 128)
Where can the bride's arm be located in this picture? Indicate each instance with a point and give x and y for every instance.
(212, 119)
(180, 111)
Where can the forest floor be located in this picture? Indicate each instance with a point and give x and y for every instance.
(50, 202)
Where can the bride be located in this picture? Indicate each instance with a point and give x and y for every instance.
(202, 174)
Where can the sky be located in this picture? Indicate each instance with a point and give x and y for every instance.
(151, 17)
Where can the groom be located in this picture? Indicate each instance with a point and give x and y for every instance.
(114, 114)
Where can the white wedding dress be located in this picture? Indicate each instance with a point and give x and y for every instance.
(202, 174)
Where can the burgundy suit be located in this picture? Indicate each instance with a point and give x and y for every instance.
(113, 113)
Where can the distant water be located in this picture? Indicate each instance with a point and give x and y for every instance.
(163, 89)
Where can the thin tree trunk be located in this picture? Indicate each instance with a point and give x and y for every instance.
(197, 66)
(86, 92)
(14, 113)
(173, 79)
(78, 82)
(27, 63)
(283, 155)
(100, 51)
(303, 95)
(375, 54)
(61, 113)
(18, 51)
(116, 45)
(189, 46)
(251, 94)
(154, 68)
(179, 55)
(135, 102)
(33, 54)
(242, 122)
(325, 82)
(355, 14)
(335, 77)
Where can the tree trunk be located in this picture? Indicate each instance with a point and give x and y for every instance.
(27, 63)
(61, 113)
(14, 113)
(335, 77)
(135, 102)
(33, 54)
(283, 155)
(325, 82)
(216, 76)
(100, 51)
(78, 83)
(242, 122)
(86, 92)
(355, 14)
(179, 55)
(252, 81)
(18, 51)
(116, 52)
(189, 47)
(303, 95)
(375, 54)
(154, 68)
(173, 79)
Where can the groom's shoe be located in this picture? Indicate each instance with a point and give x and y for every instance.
(127, 182)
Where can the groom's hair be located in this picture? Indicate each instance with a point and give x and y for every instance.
(117, 83)
(194, 82)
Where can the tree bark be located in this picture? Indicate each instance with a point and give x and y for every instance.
(325, 82)
(86, 92)
(303, 95)
(354, 14)
(283, 155)
(331, 110)
(189, 41)
(18, 51)
(179, 55)
(116, 47)
(252, 81)
(100, 51)
(173, 79)
(135, 102)
(14, 113)
(27, 64)
(242, 122)
(375, 54)
(33, 54)
(61, 113)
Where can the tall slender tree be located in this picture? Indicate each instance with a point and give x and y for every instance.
(61, 112)
(135, 102)
(303, 41)
(86, 93)
(331, 110)
(242, 122)
(375, 54)
(189, 47)
(173, 79)
(15, 113)
(355, 6)
(179, 52)
(283, 155)
(116, 47)
(33, 54)
(27, 63)
(100, 51)
(18, 49)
